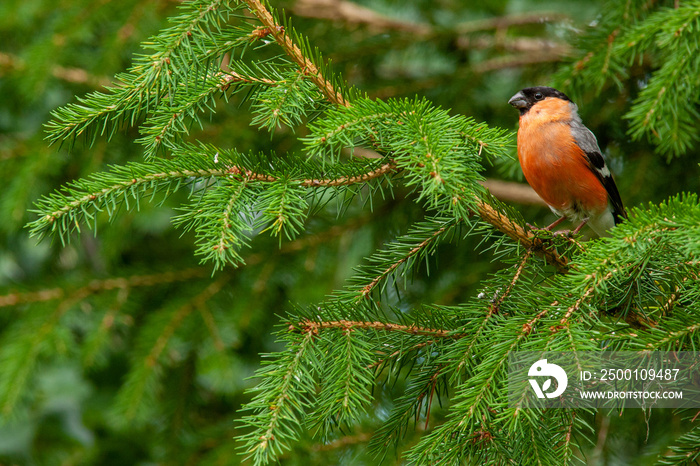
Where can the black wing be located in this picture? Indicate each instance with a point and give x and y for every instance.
(586, 140)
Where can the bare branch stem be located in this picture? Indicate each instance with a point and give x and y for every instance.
(97, 286)
(248, 175)
(516, 232)
(314, 327)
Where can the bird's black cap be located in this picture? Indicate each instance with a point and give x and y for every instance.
(525, 99)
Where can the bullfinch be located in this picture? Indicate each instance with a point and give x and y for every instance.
(562, 162)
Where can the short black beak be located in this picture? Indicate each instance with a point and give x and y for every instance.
(518, 100)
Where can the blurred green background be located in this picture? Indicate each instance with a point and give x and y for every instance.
(72, 317)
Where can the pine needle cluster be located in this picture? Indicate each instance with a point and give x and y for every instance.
(664, 107)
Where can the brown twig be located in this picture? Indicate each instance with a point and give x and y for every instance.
(400, 352)
(501, 63)
(513, 192)
(530, 325)
(579, 302)
(503, 22)
(496, 304)
(385, 169)
(523, 45)
(229, 77)
(314, 327)
(352, 13)
(226, 171)
(516, 232)
(70, 75)
(294, 52)
(96, 286)
(343, 442)
(568, 437)
(177, 319)
(668, 305)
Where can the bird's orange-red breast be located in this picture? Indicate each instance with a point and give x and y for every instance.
(562, 162)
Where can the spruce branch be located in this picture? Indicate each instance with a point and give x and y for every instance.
(195, 168)
(399, 259)
(462, 353)
(278, 32)
(31, 337)
(496, 303)
(134, 401)
(407, 407)
(675, 338)
(601, 273)
(315, 327)
(353, 364)
(39, 335)
(98, 286)
(367, 289)
(180, 51)
(62, 213)
(386, 169)
(280, 399)
(685, 450)
(96, 342)
(663, 41)
(305, 64)
(568, 445)
(478, 411)
(401, 352)
(637, 289)
(285, 103)
(529, 326)
(167, 333)
(172, 119)
(583, 298)
(220, 218)
(346, 382)
(422, 158)
(528, 240)
(285, 209)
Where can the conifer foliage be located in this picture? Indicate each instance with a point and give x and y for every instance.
(362, 357)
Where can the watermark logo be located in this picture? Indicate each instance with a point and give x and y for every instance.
(542, 368)
(603, 379)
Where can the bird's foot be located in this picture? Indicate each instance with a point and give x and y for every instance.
(532, 227)
(567, 233)
(547, 229)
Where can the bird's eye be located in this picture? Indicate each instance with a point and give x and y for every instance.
(539, 96)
